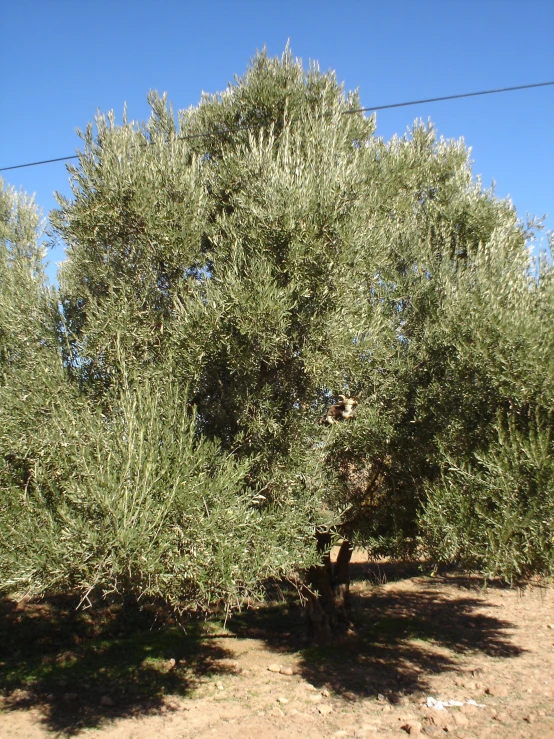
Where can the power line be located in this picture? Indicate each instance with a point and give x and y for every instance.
(344, 112)
(450, 97)
(36, 164)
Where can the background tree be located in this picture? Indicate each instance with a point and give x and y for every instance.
(493, 504)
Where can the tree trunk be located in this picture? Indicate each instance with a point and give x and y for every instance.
(328, 593)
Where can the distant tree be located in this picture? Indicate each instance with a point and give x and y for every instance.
(227, 277)
(492, 506)
(30, 363)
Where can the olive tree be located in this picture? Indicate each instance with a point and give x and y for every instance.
(230, 271)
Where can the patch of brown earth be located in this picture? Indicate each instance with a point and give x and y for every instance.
(418, 638)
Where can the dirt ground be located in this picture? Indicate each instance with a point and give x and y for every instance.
(418, 639)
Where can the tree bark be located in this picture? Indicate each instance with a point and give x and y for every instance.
(328, 593)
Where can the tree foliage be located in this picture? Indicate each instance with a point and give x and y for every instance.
(228, 274)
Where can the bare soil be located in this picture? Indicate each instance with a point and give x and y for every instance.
(417, 636)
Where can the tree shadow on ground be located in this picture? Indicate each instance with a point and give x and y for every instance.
(401, 636)
(66, 661)
(84, 668)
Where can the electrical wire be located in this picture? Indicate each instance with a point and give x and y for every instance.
(344, 112)
(449, 97)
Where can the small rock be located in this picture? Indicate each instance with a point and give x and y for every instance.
(381, 698)
(550, 626)
(274, 668)
(315, 698)
(219, 686)
(468, 708)
(276, 712)
(309, 686)
(442, 720)
(412, 727)
(340, 732)
(170, 664)
(460, 719)
(106, 700)
(230, 664)
(499, 691)
(286, 671)
(325, 693)
(324, 709)
(530, 718)
(501, 716)
(283, 700)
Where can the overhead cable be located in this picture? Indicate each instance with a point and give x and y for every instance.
(344, 112)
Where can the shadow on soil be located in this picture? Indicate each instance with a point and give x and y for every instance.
(400, 637)
(84, 668)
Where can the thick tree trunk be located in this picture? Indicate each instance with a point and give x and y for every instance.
(328, 593)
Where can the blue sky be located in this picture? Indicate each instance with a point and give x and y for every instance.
(62, 60)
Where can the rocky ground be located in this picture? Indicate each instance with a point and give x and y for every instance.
(419, 640)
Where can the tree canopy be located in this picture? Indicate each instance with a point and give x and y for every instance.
(228, 275)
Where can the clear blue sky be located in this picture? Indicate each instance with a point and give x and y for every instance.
(62, 60)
